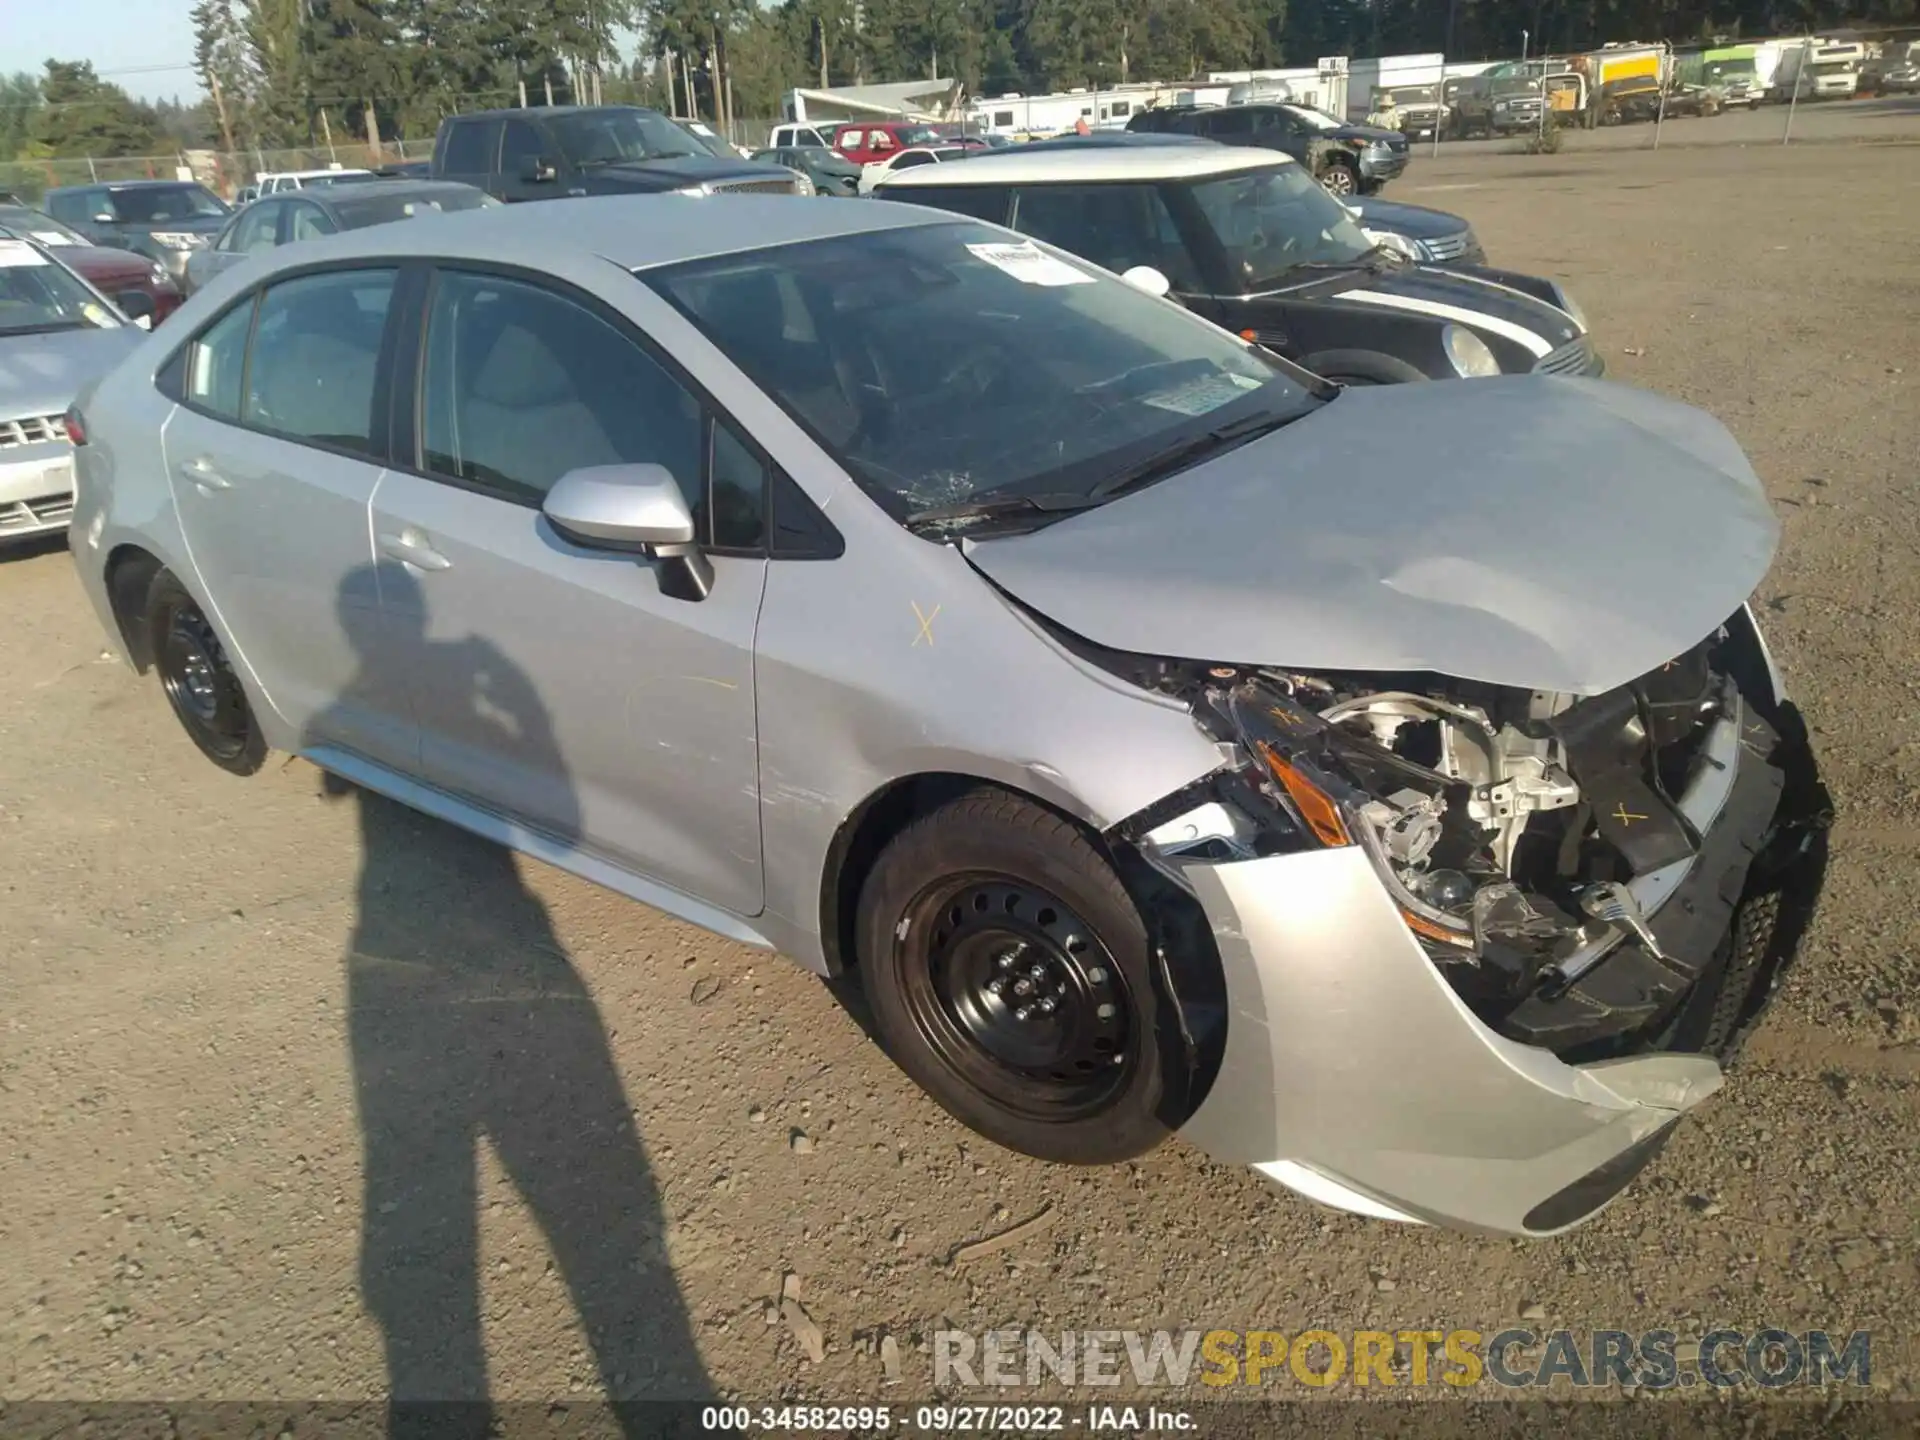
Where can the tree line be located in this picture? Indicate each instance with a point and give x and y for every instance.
(298, 72)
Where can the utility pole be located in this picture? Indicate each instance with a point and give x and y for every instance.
(220, 108)
(1453, 8)
(326, 129)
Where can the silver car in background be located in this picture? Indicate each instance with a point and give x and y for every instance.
(1167, 740)
(317, 211)
(57, 333)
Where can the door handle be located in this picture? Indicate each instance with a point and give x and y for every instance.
(410, 549)
(202, 472)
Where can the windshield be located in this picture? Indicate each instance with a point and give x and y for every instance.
(1422, 95)
(707, 140)
(607, 137)
(916, 134)
(152, 204)
(21, 223)
(38, 296)
(948, 364)
(338, 177)
(1269, 221)
(1832, 67)
(1729, 70)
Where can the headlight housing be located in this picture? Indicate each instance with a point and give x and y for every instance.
(1399, 244)
(693, 190)
(159, 275)
(1468, 353)
(1567, 303)
(802, 183)
(177, 239)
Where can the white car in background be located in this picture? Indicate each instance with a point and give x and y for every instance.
(272, 182)
(57, 334)
(871, 175)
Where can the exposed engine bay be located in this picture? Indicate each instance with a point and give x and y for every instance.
(1573, 864)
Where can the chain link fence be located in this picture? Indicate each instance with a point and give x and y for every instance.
(223, 172)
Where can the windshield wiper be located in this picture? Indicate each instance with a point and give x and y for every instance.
(1179, 457)
(957, 516)
(1376, 260)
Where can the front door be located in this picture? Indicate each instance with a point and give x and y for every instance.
(273, 468)
(555, 684)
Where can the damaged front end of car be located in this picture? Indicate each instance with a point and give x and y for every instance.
(1474, 949)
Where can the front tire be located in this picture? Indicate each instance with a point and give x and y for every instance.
(1339, 178)
(199, 680)
(1008, 974)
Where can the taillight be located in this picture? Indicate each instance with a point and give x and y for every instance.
(76, 427)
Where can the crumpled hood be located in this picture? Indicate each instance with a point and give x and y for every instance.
(1533, 531)
(40, 374)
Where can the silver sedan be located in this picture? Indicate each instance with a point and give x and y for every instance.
(1385, 789)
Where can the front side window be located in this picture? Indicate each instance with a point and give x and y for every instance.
(1114, 226)
(520, 146)
(315, 349)
(154, 204)
(737, 483)
(38, 297)
(216, 361)
(522, 385)
(1269, 222)
(947, 363)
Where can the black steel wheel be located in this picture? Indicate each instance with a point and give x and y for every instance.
(1007, 971)
(199, 680)
(1014, 990)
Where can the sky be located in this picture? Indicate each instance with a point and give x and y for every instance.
(143, 46)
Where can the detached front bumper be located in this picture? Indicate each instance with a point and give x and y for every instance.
(1354, 1074)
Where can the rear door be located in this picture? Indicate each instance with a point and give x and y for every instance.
(274, 453)
(556, 684)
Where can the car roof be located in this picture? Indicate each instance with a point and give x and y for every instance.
(1094, 163)
(635, 232)
(123, 185)
(547, 111)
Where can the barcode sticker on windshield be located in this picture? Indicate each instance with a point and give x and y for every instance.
(17, 252)
(1029, 264)
(51, 237)
(1198, 397)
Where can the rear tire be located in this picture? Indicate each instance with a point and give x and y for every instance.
(1008, 974)
(199, 680)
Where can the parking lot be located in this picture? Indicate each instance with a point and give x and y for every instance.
(188, 1088)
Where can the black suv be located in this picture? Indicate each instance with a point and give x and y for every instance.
(164, 220)
(1347, 159)
(589, 150)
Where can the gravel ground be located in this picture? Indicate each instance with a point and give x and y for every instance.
(584, 1142)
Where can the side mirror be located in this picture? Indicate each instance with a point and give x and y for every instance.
(1148, 280)
(634, 508)
(536, 171)
(104, 217)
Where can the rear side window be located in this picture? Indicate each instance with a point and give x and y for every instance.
(522, 385)
(977, 202)
(907, 162)
(217, 361)
(315, 350)
(71, 208)
(308, 222)
(470, 147)
(1227, 122)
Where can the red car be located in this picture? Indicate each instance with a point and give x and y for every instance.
(114, 273)
(864, 144)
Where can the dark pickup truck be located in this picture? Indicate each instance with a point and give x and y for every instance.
(563, 150)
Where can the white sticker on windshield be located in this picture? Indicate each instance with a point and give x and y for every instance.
(1197, 397)
(1029, 264)
(15, 253)
(52, 237)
